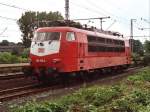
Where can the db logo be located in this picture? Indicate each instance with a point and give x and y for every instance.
(41, 50)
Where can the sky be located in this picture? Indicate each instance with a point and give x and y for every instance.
(120, 12)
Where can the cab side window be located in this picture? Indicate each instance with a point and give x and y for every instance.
(70, 36)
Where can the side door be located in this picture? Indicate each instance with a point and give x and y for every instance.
(81, 45)
(127, 52)
(70, 51)
(81, 51)
(70, 45)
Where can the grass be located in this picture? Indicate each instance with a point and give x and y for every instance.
(133, 95)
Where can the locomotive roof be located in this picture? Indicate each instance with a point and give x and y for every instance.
(72, 29)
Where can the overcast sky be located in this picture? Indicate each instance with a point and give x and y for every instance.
(120, 11)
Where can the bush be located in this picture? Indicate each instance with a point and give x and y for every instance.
(7, 58)
(102, 95)
(140, 60)
(146, 59)
(89, 100)
(34, 107)
(137, 59)
(25, 53)
(132, 102)
(141, 76)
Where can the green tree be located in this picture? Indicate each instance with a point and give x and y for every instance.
(137, 47)
(25, 23)
(147, 46)
(146, 53)
(4, 43)
(29, 20)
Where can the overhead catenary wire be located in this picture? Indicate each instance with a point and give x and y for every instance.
(88, 9)
(117, 18)
(106, 12)
(7, 18)
(3, 31)
(98, 7)
(121, 19)
(13, 6)
(97, 10)
(114, 5)
(111, 25)
(103, 12)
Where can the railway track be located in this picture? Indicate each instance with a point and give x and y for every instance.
(13, 93)
(12, 68)
(11, 76)
(11, 71)
(9, 94)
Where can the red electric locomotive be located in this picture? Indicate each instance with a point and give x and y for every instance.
(67, 50)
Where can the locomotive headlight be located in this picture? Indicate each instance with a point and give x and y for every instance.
(56, 61)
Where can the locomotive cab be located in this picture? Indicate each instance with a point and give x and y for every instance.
(44, 51)
(53, 50)
(45, 43)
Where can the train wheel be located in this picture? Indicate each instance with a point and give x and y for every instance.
(64, 79)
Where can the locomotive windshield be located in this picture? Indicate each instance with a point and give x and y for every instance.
(46, 36)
